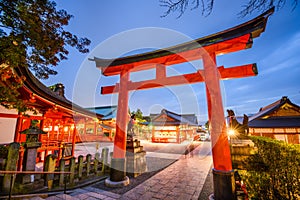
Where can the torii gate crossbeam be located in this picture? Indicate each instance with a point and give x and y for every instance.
(206, 48)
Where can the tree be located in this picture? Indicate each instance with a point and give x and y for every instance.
(139, 114)
(207, 125)
(138, 128)
(207, 6)
(32, 35)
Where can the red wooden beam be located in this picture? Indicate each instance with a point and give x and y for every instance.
(232, 45)
(8, 115)
(225, 73)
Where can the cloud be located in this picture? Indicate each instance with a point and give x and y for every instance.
(244, 87)
(283, 57)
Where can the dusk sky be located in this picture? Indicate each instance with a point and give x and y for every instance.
(118, 28)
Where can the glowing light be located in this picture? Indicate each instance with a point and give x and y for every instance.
(66, 129)
(231, 132)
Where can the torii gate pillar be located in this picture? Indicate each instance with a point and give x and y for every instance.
(118, 176)
(223, 175)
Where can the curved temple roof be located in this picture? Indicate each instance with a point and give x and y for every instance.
(49, 97)
(244, 33)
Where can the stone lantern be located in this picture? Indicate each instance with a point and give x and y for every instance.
(31, 145)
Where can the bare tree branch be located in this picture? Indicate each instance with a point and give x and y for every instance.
(172, 6)
(181, 6)
(206, 6)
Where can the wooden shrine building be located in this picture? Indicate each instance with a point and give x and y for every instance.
(171, 127)
(279, 120)
(65, 122)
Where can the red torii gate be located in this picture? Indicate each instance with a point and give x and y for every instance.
(206, 48)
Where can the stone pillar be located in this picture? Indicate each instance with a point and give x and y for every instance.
(72, 170)
(96, 163)
(80, 166)
(104, 157)
(29, 160)
(11, 165)
(97, 156)
(88, 164)
(62, 169)
(49, 166)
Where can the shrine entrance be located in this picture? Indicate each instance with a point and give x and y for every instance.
(205, 49)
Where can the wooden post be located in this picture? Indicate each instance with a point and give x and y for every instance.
(97, 156)
(62, 169)
(74, 140)
(11, 165)
(178, 135)
(104, 158)
(223, 176)
(49, 166)
(88, 164)
(80, 166)
(72, 170)
(152, 134)
(17, 137)
(96, 163)
(160, 71)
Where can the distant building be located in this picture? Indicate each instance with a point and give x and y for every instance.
(108, 121)
(279, 120)
(168, 126)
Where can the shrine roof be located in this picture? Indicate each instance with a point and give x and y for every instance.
(253, 28)
(106, 126)
(50, 97)
(264, 111)
(278, 122)
(108, 112)
(262, 118)
(190, 119)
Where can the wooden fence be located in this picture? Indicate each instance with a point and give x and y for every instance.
(56, 174)
(84, 167)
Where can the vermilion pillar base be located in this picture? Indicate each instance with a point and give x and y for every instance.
(118, 176)
(224, 185)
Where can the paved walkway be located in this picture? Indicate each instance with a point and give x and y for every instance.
(182, 180)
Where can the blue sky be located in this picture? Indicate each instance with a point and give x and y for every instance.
(118, 28)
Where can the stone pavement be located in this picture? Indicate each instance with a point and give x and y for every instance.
(182, 180)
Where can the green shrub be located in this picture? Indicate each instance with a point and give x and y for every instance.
(273, 172)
